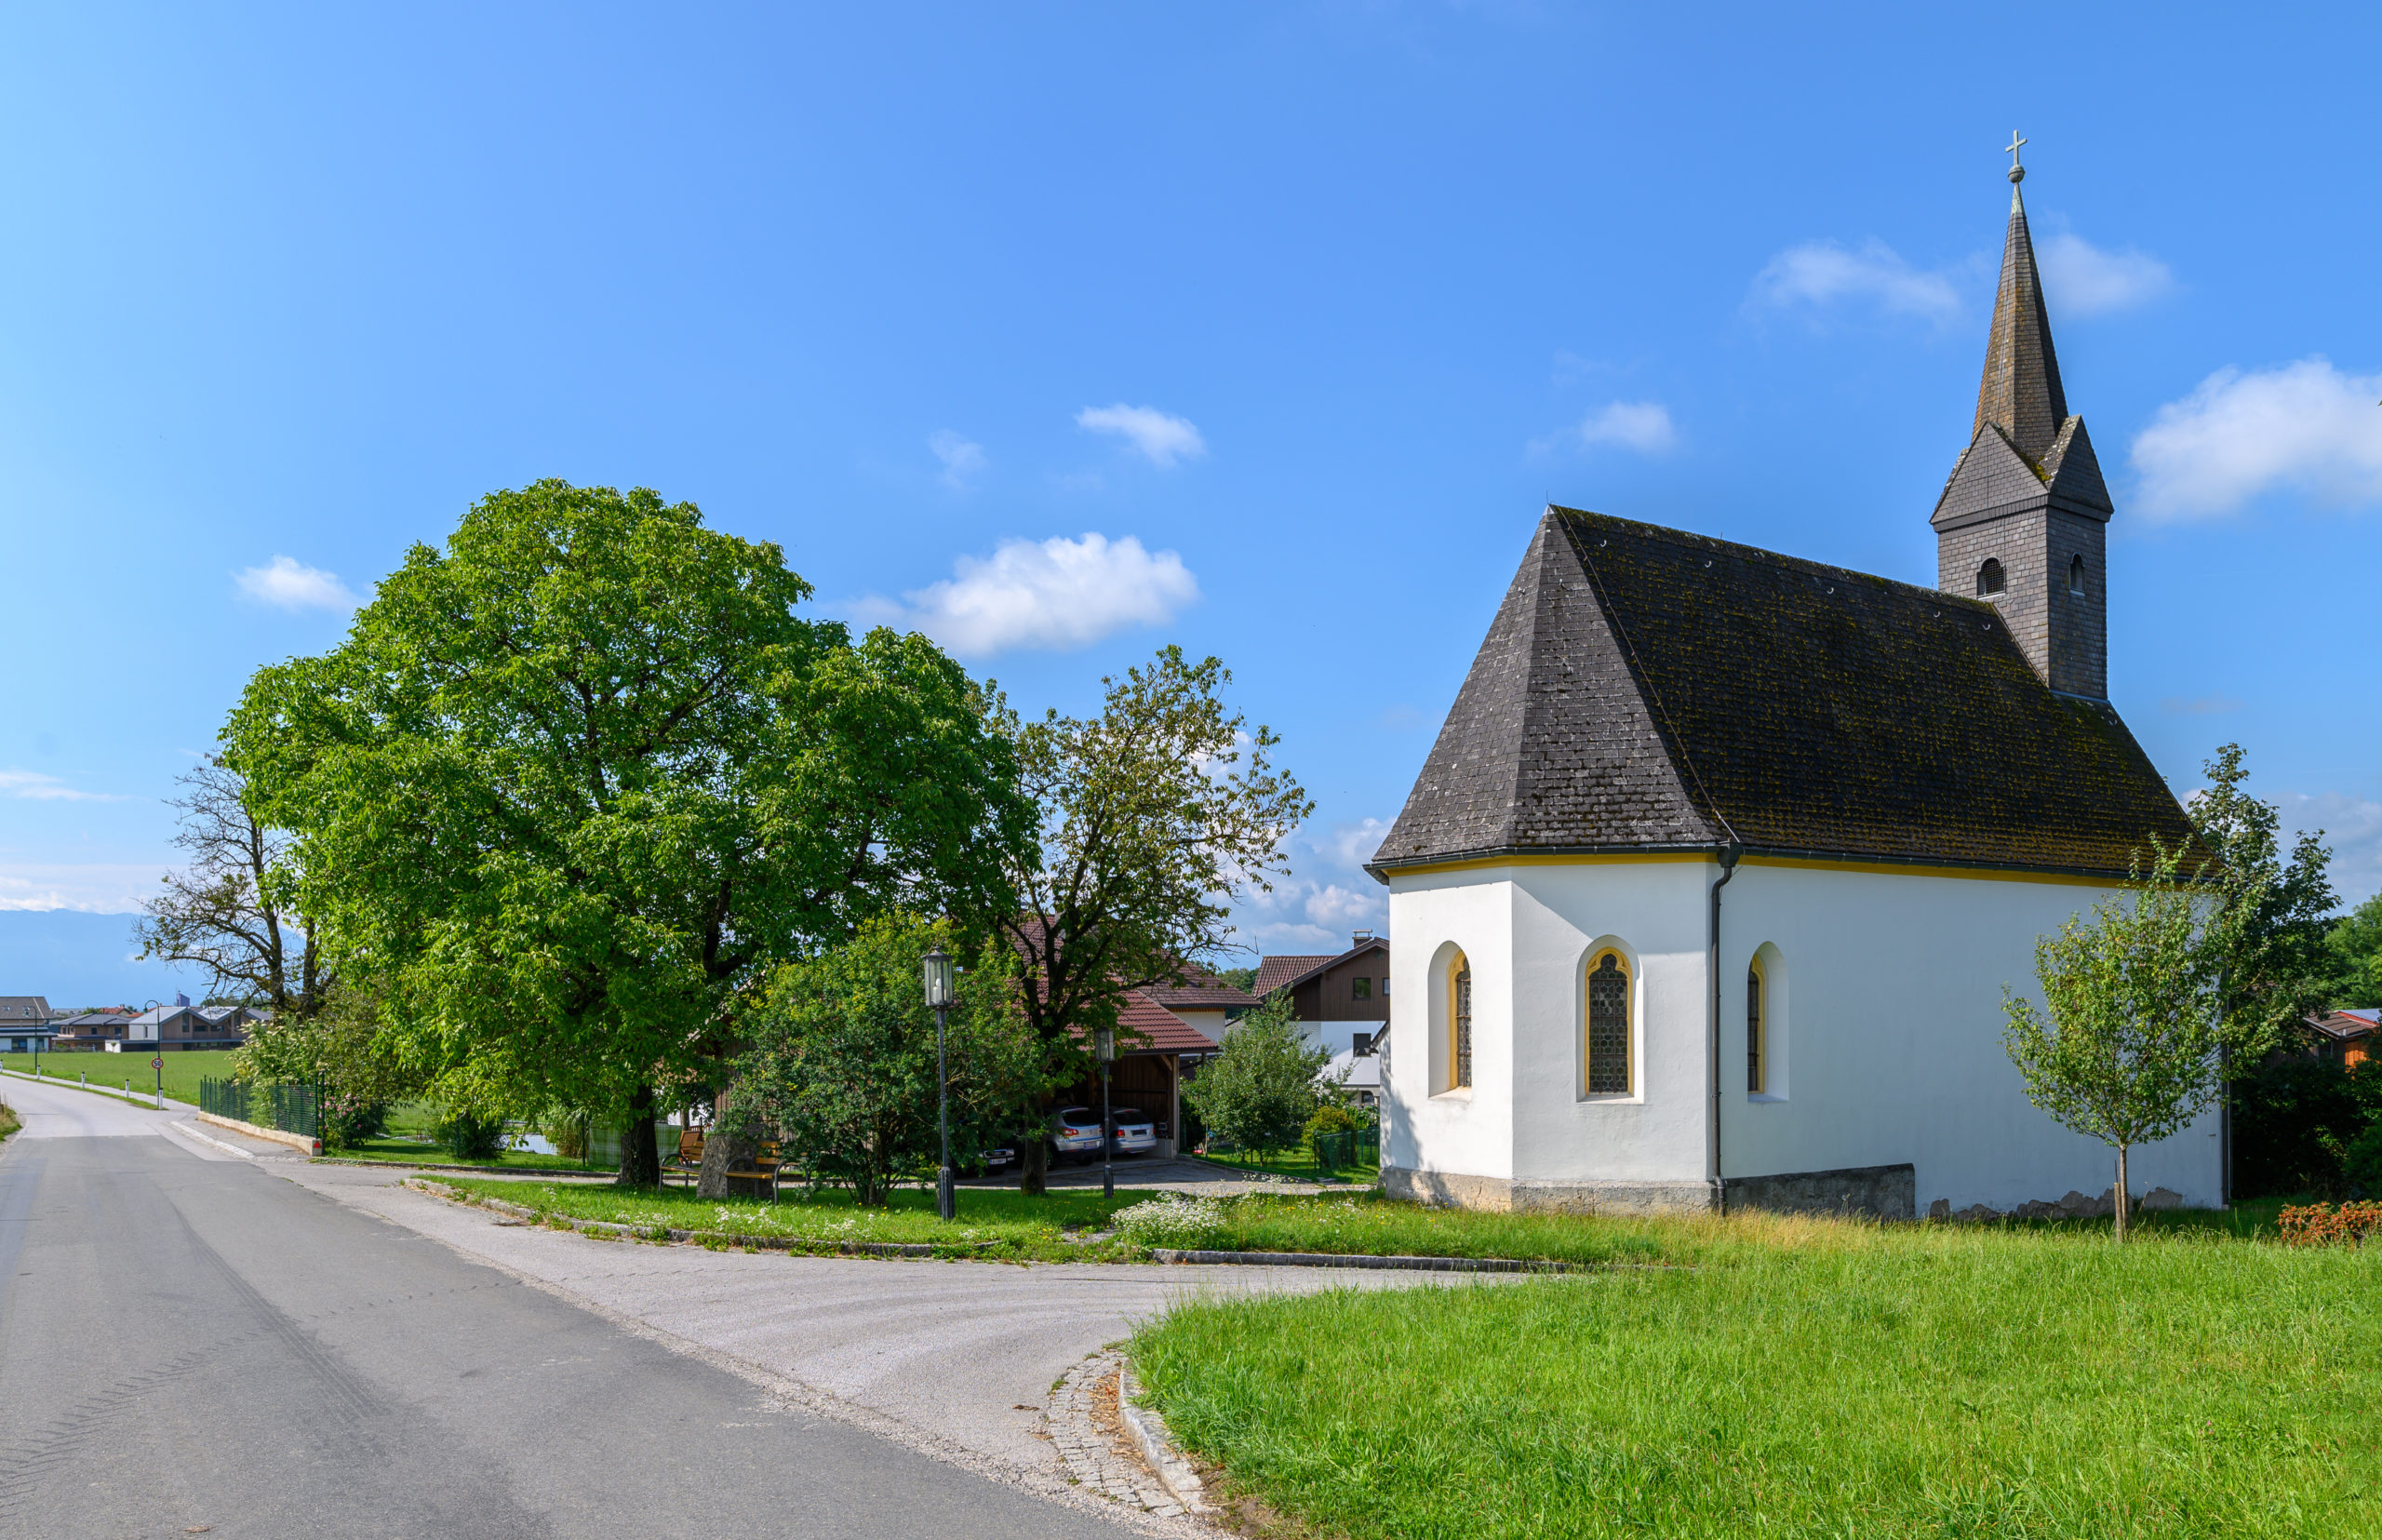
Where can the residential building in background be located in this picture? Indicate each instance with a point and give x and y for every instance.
(1341, 998)
(25, 1024)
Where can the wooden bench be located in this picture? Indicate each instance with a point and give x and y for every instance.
(690, 1164)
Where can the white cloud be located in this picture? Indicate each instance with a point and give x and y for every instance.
(1644, 426)
(1825, 272)
(1327, 899)
(2353, 827)
(2081, 279)
(95, 888)
(962, 462)
(2304, 426)
(34, 786)
(1054, 594)
(290, 584)
(1160, 439)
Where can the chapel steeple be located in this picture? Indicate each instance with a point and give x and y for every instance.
(2023, 518)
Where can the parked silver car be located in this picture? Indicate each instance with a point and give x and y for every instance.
(1135, 1134)
(1075, 1135)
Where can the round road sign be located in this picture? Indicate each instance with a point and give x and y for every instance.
(156, 1064)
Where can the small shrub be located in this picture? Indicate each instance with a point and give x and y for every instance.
(469, 1136)
(346, 1123)
(1170, 1219)
(2323, 1224)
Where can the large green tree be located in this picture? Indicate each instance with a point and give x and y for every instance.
(1156, 815)
(2355, 943)
(1259, 1093)
(2267, 925)
(574, 782)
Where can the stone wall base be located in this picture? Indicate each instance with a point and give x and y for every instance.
(2074, 1206)
(1873, 1192)
(1877, 1192)
(1503, 1195)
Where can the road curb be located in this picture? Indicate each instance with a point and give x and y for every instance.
(297, 1142)
(802, 1244)
(1147, 1426)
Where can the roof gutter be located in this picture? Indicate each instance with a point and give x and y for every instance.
(1729, 853)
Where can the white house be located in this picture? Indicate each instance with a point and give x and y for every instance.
(1708, 891)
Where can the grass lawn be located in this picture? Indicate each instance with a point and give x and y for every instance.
(1814, 1377)
(1296, 1165)
(1021, 1226)
(409, 1152)
(182, 1071)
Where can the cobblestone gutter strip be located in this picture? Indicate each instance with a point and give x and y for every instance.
(1105, 1452)
(1395, 1264)
(1147, 1426)
(725, 1237)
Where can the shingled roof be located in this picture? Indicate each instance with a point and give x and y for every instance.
(1647, 688)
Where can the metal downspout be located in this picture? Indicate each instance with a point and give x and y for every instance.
(1729, 853)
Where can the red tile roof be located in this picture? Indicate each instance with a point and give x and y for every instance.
(1274, 973)
(1284, 971)
(1161, 1030)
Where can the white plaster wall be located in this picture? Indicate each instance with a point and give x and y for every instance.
(1338, 1036)
(1886, 1014)
(1471, 1131)
(1654, 913)
(1891, 1021)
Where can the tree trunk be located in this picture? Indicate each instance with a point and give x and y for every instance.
(640, 1162)
(2120, 1210)
(1033, 1163)
(723, 1152)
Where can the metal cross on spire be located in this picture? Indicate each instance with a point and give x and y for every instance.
(2017, 172)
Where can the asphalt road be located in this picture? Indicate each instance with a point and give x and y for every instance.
(189, 1344)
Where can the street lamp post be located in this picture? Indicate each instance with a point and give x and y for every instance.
(940, 995)
(1103, 1045)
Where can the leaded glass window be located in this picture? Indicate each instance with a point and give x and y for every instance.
(1757, 1071)
(1608, 1028)
(1460, 1024)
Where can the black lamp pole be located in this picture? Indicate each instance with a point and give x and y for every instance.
(938, 995)
(1104, 1042)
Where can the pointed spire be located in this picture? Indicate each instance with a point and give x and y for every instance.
(2021, 394)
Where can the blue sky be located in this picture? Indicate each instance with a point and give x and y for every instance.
(1064, 331)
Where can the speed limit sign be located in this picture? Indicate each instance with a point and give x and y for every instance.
(156, 1064)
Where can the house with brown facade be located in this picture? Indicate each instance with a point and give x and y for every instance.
(1341, 998)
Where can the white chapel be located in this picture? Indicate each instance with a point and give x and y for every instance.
(1709, 890)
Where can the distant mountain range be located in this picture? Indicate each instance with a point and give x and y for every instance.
(79, 959)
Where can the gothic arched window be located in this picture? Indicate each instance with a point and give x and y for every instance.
(1459, 1023)
(1757, 1032)
(2076, 574)
(1609, 1026)
(1988, 577)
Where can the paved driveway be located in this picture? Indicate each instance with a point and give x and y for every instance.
(958, 1351)
(199, 1330)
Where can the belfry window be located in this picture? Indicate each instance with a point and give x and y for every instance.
(1756, 1034)
(1459, 1023)
(2076, 574)
(1988, 577)
(1609, 1026)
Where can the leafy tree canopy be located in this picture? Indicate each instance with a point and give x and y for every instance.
(843, 1061)
(2128, 1046)
(2355, 943)
(574, 782)
(2265, 938)
(1156, 814)
(1260, 1089)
